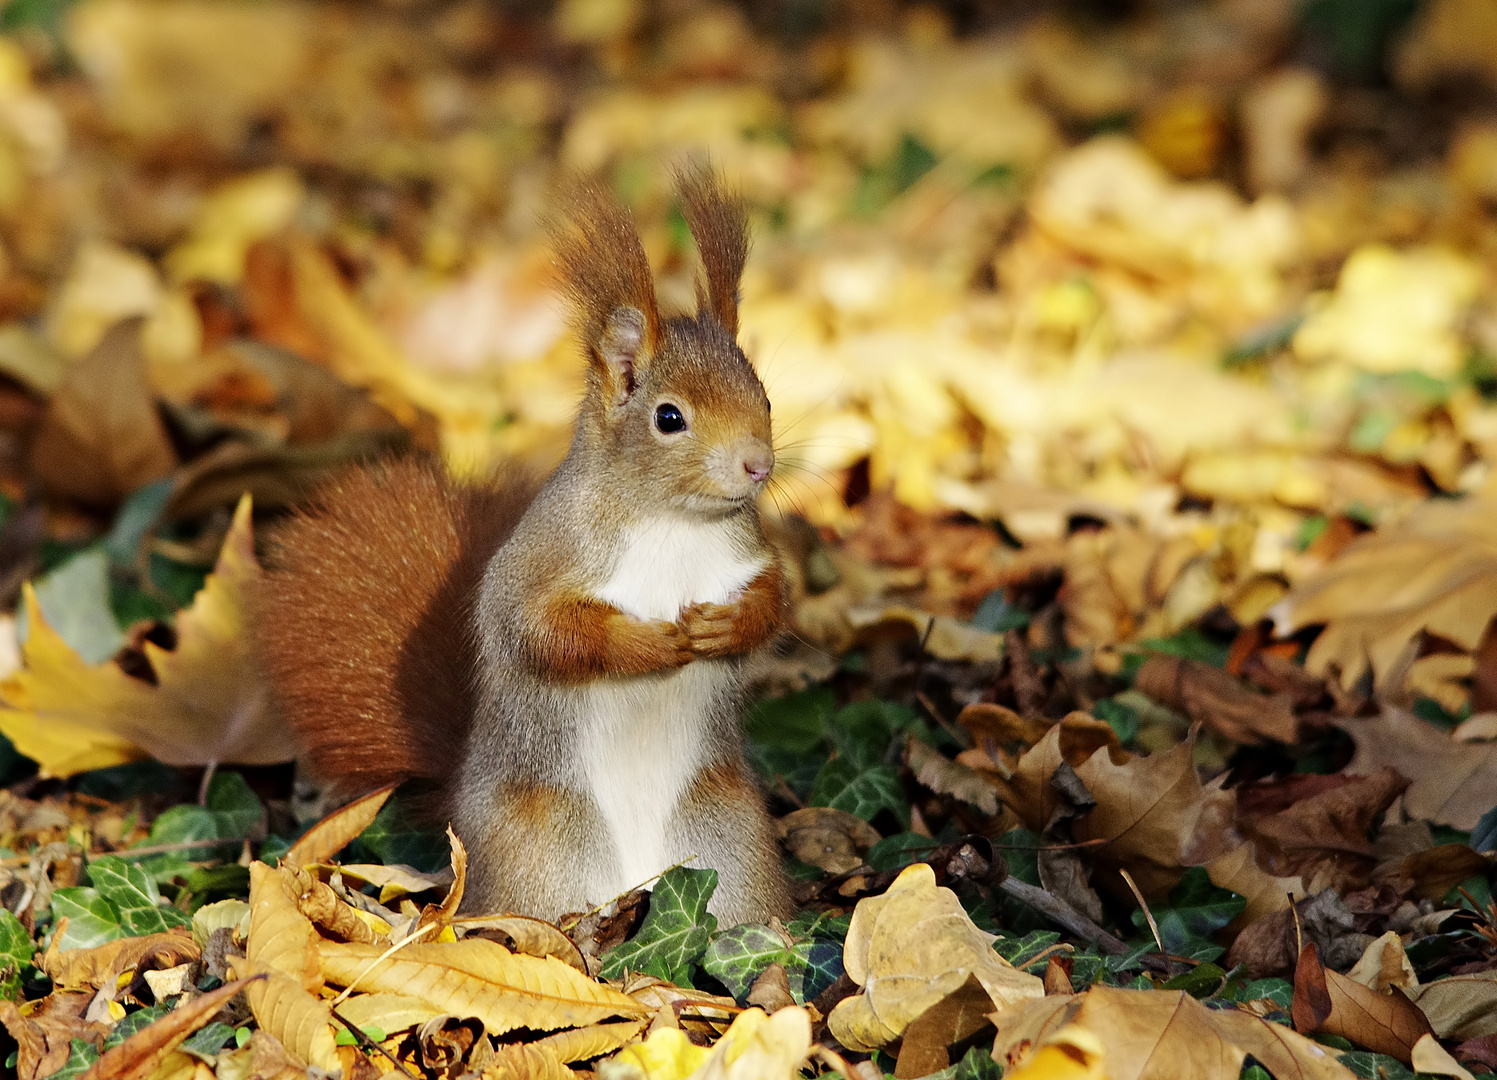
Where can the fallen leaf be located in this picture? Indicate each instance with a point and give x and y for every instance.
(206, 705)
(946, 777)
(957, 1016)
(1386, 1023)
(337, 830)
(533, 937)
(101, 437)
(526, 1061)
(1214, 698)
(137, 1057)
(594, 1040)
(833, 840)
(1162, 1034)
(1460, 1006)
(1074, 740)
(1072, 1053)
(474, 977)
(667, 1054)
(944, 638)
(1431, 1058)
(760, 1047)
(1451, 782)
(79, 969)
(910, 948)
(390, 1013)
(1385, 965)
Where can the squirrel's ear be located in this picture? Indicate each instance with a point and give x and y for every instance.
(719, 224)
(619, 347)
(606, 276)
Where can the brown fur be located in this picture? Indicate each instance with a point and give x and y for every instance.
(729, 629)
(719, 224)
(581, 638)
(364, 618)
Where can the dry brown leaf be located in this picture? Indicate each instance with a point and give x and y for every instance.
(1328, 826)
(946, 777)
(137, 1057)
(43, 1037)
(319, 903)
(1166, 1034)
(533, 937)
(337, 830)
(1238, 870)
(908, 949)
(834, 840)
(101, 437)
(475, 977)
(283, 944)
(1324, 1000)
(1384, 964)
(1452, 782)
(593, 1041)
(945, 638)
(1434, 572)
(1460, 1006)
(1432, 1059)
(1074, 740)
(1148, 810)
(208, 704)
(1210, 696)
(957, 1016)
(89, 969)
(526, 1061)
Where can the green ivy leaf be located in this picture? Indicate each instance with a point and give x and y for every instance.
(92, 920)
(394, 838)
(843, 785)
(15, 954)
(206, 1042)
(1021, 951)
(81, 1055)
(1197, 909)
(809, 924)
(134, 895)
(674, 934)
(738, 956)
(1372, 1066)
(795, 722)
(136, 1021)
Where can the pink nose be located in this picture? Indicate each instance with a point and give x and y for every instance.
(758, 463)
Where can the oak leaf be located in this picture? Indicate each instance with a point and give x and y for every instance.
(207, 705)
(909, 949)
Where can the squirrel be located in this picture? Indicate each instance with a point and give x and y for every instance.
(566, 661)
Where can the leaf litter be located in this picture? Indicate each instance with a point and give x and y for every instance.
(1138, 407)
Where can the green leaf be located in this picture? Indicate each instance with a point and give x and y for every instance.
(809, 924)
(1203, 980)
(394, 838)
(978, 1064)
(1197, 909)
(675, 933)
(1279, 991)
(92, 920)
(1372, 1066)
(81, 1055)
(75, 600)
(898, 851)
(861, 733)
(842, 785)
(1121, 718)
(15, 954)
(136, 1021)
(795, 722)
(1021, 952)
(206, 1042)
(738, 956)
(134, 895)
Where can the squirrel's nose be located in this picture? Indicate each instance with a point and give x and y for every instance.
(758, 462)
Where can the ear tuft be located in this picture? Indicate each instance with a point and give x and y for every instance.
(719, 224)
(606, 275)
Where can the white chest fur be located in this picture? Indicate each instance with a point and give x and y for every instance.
(646, 735)
(667, 563)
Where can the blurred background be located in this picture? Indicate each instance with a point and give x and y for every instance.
(1172, 298)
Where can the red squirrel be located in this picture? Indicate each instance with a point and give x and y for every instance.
(567, 662)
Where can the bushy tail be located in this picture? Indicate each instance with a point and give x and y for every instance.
(364, 623)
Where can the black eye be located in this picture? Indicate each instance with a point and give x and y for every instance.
(668, 419)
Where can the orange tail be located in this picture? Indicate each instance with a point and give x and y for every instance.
(364, 621)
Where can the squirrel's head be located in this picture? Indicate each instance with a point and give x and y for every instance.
(674, 399)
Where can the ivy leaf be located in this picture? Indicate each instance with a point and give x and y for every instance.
(842, 785)
(674, 934)
(15, 954)
(134, 895)
(1020, 952)
(395, 839)
(1197, 909)
(205, 1043)
(81, 1055)
(795, 722)
(738, 956)
(232, 813)
(92, 920)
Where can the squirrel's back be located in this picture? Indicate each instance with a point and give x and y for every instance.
(364, 621)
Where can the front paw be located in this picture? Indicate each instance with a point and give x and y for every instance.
(711, 628)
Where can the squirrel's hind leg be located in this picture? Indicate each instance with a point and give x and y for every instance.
(721, 819)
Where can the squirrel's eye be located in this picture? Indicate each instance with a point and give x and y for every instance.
(668, 419)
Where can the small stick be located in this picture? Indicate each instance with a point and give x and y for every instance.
(369, 1044)
(1063, 914)
(1149, 915)
(784, 789)
(1299, 940)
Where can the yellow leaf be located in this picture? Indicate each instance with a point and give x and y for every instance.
(388, 1012)
(666, 1055)
(337, 830)
(760, 1047)
(1072, 1053)
(526, 1061)
(477, 977)
(908, 949)
(595, 1040)
(209, 704)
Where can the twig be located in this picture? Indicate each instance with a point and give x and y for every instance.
(206, 782)
(962, 739)
(1063, 914)
(1149, 915)
(369, 1044)
(784, 789)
